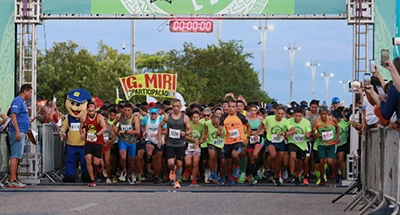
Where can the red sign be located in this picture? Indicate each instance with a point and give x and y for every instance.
(195, 26)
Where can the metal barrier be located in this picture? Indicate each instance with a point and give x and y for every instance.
(380, 169)
(53, 156)
(4, 156)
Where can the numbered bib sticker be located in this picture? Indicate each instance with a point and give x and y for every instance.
(191, 147)
(276, 139)
(328, 135)
(126, 127)
(253, 140)
(106, 136)
(234, 133)
(91, 137)
(75, 127)
(298, 138)
(218, 141)
(174, 133)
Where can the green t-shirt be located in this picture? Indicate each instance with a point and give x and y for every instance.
(213, 137)
(344, 131)
(207, 124)
(197, 131)
(301, 128)
(275, 128)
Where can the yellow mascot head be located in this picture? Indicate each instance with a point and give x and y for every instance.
(76, 102)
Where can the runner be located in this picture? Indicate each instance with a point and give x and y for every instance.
(178, 126)
(138, 175)
(341, 147)
(215, 145)
(127, 130)
(112, 115)
(255, 146)
(109, 138)
(150, 127)
(298, 147)
(311, 116)
(234, 123)
(278, 128)
(243, 155)
(328, 133)
(92, 128)
(218, 112)
(206, 121)
(193, 150)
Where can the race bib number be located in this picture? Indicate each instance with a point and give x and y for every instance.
(234, 133)
(253, 140)
(126, 127)
(106, 136)
(218, 142)
(75, 127)
(91, 137)
(327, 135)
(191, 147)
(298, 138)
(174, 133)
(276, 139)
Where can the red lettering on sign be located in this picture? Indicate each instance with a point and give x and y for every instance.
(159, 78)
(150, 80)
(174, 82)
(167, 80)
(131, 82)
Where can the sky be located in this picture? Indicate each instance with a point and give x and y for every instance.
(327, 42)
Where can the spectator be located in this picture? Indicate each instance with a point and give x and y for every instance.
(392, 103)
(18, 128)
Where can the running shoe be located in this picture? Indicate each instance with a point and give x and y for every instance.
(177, 185)
(285, 174)
(207, 176)
(172, 175)
(186, 175)
(92, 184)
(337, 178)
(305, 181)
(291, 179)
(139, 179)
(20, 184)
(105, 173)
(312, 177)
(297, 181)
(242, 178)
(212, 177)
(277, 181)
(322, 183)
(231, 182)
(1, 185)
(194, 183)
(122, 177)
(130, 180)
(259, 175)
(108, 181)
(15, 184)
(253, 180)
(236, 171)
(133, 177)
(115, 179)
(267, 173)
(221, 180)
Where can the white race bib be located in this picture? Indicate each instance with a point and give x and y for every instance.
(153, 138)
(253, 140)
(191, 147)
(91, 135)
(234, 133)
(174, 133)
(327, 135)
(106, 136)
(126, 127)
(218, 141)
(298, 138)
(75, 126)
(276, 139)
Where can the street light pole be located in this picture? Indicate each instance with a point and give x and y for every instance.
(292, 50)
(344, 83)
(327, 76)
(313, 66)
(263, 34)
(133, 60)
(219, 23)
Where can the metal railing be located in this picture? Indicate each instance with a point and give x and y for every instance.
(380, 170)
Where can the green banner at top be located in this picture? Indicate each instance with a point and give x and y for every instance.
(202, 7)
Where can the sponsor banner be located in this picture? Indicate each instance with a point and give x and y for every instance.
(7, 54)
(202, 7)
(151, 84)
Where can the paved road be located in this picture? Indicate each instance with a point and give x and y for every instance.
(147, 199)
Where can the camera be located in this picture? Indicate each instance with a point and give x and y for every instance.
(124, 46)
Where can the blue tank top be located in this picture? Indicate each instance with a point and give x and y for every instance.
(254, 124)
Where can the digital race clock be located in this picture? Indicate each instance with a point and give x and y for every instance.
(194, 26)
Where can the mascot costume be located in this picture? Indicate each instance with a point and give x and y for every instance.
(76, 104)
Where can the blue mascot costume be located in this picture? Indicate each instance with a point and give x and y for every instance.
(76, 104)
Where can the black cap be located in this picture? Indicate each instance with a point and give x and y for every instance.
(166, 102)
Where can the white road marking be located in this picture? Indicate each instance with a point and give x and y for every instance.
(83, 207)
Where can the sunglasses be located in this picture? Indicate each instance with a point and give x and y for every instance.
(207, 115)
